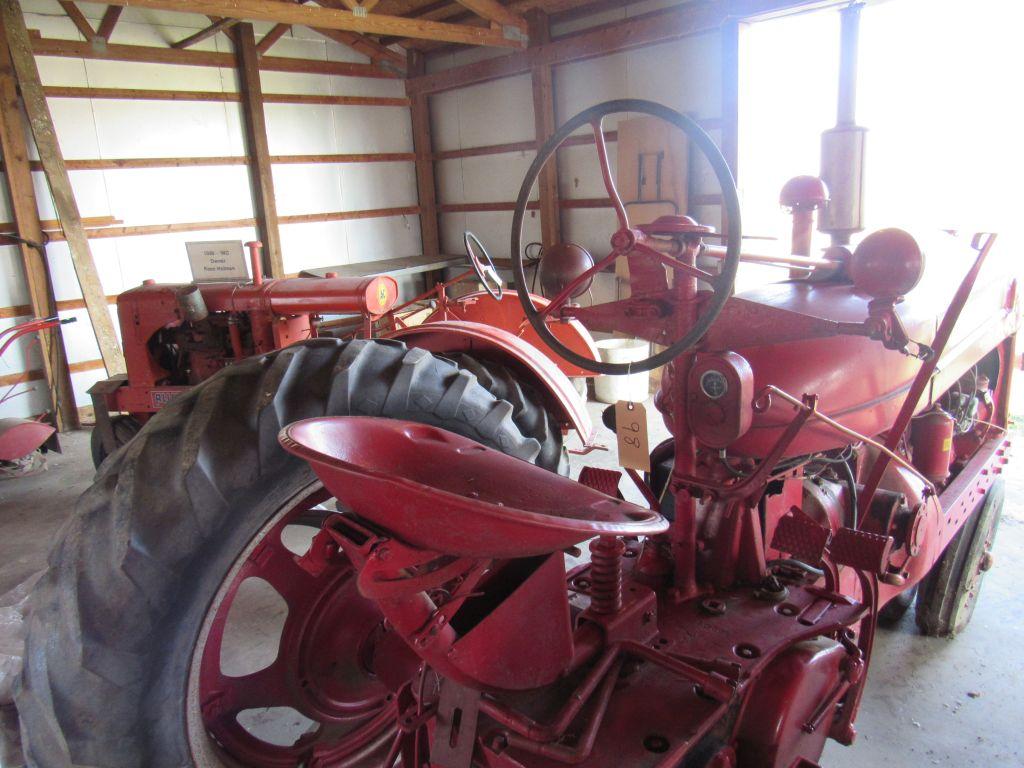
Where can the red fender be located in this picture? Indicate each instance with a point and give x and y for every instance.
(19, 437)
(559, 394)
(507, 313)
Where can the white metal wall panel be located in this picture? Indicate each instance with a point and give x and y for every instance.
(377, 185)
(364, 129)
(307, 188)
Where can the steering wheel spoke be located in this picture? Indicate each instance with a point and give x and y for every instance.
(606, 172)
(677, 316)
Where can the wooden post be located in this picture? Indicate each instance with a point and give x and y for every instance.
(257, 150)
(732, 31)
(424, 149)
(45, 136)
(18, 173)
(730, 68)
(544, 121)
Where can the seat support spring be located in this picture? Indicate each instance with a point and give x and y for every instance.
(606, 574)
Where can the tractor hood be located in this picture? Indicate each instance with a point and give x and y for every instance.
(788, 333)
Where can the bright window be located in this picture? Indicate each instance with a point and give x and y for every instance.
(788, 79)
(939, 90)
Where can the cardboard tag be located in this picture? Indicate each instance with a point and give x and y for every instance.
(631, 433)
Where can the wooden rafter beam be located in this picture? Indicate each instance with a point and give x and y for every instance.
(458, 13)
(360, 7)
(406, 7)
(275, 34)
(568, 10)
(109, 21)
(556, 10)
(203, 34)
(80, 21)
(650, 29)
(376, 52)
(441, 10)
(326, 18)
(446, 10)
(153, 55)
(426, 11)
(495, 12)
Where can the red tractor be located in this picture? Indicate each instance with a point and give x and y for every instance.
(176, 336)
(837, 443)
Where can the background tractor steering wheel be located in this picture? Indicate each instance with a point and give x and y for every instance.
(635, 243)
(484, 268)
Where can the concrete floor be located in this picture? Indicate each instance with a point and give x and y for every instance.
(928, 702)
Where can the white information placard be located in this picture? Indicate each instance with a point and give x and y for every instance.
(217, 261)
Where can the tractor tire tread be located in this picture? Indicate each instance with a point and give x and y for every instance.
(528, 410)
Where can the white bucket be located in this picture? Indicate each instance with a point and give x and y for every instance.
(634, 387)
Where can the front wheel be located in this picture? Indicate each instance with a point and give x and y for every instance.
(948, 594)
(124, 428)
(183, 619)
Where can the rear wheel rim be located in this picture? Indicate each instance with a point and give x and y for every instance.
(330, 644)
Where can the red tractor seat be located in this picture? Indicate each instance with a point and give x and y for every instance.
(446, 493)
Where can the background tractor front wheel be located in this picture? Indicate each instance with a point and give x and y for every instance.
(124, 428)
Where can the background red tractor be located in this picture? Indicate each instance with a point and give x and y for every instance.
(176, 336)
(837, 442)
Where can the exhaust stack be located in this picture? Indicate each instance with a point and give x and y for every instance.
(842, 147)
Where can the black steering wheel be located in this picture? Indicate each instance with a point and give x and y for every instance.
(676, 316)
(484, 268)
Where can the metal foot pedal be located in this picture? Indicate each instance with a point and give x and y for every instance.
(860, 550)
(604, 480)
(801, 536)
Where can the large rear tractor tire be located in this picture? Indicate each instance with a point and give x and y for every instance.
(126, 662)
(528, 411)
(948, 594)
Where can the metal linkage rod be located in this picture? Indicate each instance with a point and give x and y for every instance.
(924, 375)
